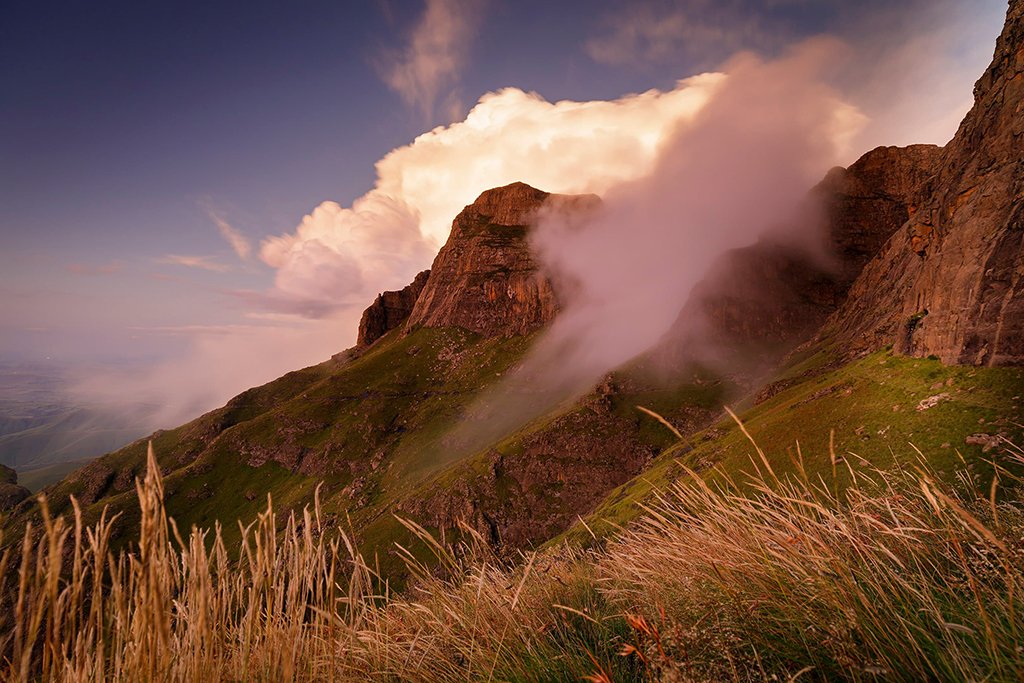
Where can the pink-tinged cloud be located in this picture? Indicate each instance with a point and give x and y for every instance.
(207, 263)
(92, 271)
(238, 242)
(344, 256)
(424, 71)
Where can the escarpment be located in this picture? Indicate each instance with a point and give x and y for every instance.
(777, 293)
(485, 279)
(389, 311)
(948, 282)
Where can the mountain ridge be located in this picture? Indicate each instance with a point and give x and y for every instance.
(374, 424)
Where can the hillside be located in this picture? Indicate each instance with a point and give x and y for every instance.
(870, 338)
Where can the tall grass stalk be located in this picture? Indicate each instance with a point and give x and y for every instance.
(898, 577)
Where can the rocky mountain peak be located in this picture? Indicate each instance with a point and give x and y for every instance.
(485, 278)
(509, 205)
(949, 281)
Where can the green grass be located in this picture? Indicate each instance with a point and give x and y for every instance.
(868, 407)
(378, 419)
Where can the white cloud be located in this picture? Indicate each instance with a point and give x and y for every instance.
(435, 55)
(741, 168)
(343, 256)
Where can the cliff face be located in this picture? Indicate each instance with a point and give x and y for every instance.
(485, 279)
(776, 295)
(948, 282)
(389, 310)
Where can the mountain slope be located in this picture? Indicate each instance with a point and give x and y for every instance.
(948, 282)
(375, 424)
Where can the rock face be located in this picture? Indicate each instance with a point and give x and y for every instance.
(485, 279)
(11, 493)
(776, 294)
(389, 311)
(948, 282)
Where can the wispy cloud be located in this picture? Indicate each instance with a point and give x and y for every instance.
(662, 32)
(91, 270)
(427, 68)
(200, 262)
(232, 235)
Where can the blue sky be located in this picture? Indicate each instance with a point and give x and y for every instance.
(127, 129)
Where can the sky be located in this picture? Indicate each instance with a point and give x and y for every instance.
(213, 191)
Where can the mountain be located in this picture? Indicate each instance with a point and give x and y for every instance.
(776, 294)
(948, 282)
(897, 322)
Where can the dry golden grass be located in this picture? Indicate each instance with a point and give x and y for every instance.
(896, 578)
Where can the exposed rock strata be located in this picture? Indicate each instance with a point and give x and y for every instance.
(485, 279)
(775, 294)
(948, 282)
(389, 311)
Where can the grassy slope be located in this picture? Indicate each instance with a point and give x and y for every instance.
(397, 399)
(371, 429)
(870, 405)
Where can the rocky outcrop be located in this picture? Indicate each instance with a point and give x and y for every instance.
(949, 281)
(11, 493)
(536, 485)
(389, 311)
(485, 279)
(775, 294)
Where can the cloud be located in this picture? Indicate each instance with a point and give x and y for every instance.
(642, 33)
(219, 362)
(200, 262)
(343, 256)
(436, 53)
(739, 169)
(916, 62)
(90, 270)
(239, 243)
(332, 264)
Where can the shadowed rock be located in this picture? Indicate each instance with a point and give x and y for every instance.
(389, 311)
(949, 281)
(11, 493)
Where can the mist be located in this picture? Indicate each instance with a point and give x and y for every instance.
(740, 169)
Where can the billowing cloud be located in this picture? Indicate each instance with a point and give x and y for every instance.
(435, 54)
(340, 256)
(740, 168)
(633, 151)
